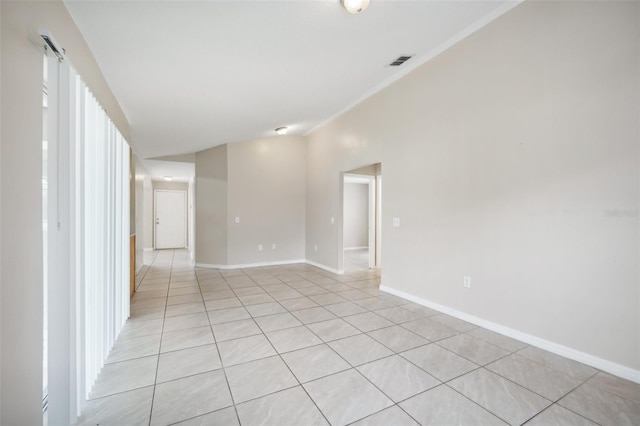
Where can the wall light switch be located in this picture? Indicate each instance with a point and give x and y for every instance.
(259, 247)
(237, 219)
(467, 282)
(333, 220)
(273, 246)
(396, 222)
(315, 247)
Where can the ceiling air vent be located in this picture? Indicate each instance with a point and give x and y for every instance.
(401, 60)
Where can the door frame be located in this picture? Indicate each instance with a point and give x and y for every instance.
(374, 203)
(372, 222)
(378, 222)
(155, 215)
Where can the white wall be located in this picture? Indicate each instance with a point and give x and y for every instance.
(21, 215)
(356, 215)
(504, 157)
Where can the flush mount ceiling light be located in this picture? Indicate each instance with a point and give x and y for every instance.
(355, 6)
(168, 178)
(281, 130)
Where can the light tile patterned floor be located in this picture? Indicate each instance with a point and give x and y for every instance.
(296, 345)
(356, 260)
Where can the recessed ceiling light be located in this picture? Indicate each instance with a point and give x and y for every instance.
(168, 178)
(281, 130)
(355, 6)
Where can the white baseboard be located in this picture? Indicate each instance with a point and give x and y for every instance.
(147, 249)
(583, 357)
(325, 267)
(356, 248)
(277, 263)
(249, 265)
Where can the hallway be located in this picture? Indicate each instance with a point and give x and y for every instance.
(356, 260)
(297, 345)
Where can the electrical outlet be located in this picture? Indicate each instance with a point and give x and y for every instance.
(259, 247)
(237, 219)
(467, 282)
(315, 247)
(273, 246)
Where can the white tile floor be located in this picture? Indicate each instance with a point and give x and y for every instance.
(295, 345)
(356, 260)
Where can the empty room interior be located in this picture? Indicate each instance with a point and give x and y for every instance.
(322, 212)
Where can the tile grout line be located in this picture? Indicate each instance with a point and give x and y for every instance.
(510, 380)
(395, 353)
(284, 362)
(569, 409)
(137, 285)
(472, 401)
(436, 342)
(361, 332)
(222, 367)
(347, 362)
(287, 365)
(295, 377)
(471, 371)
(155, 381)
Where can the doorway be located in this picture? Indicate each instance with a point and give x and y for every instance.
(361, 219)
(170, 219)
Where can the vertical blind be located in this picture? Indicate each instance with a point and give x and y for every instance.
(89, 198)
(106, 232)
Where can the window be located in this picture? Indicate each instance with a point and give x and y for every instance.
(86, 232)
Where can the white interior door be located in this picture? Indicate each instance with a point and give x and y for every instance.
(171, 219)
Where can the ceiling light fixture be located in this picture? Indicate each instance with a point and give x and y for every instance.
(281, 130)
(355, 6)
(168, 178)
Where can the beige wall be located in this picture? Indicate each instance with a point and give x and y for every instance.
(370, 170)
(20, 165)
(171, 186)
(192, 217)
(356, 215)
(263, 183)
(267, 192)
(1, 224)
(1, 221)
(503, 158)
(211, 206)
